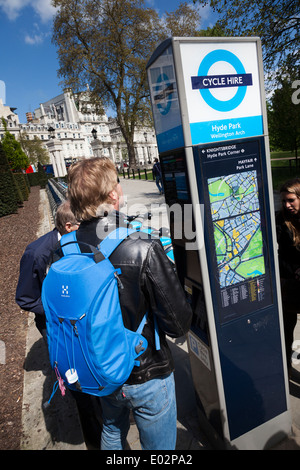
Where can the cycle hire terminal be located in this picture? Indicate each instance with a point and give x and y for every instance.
(209, 111)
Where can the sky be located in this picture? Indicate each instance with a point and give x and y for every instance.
(28, 59)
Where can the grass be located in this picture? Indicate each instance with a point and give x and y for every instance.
(137, 176)
(283, 170)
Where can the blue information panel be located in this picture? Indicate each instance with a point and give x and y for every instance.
(237, 232)
(231, 182)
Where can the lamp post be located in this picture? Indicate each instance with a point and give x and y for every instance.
(51, 132)
(146, 157)
(56, 155)
(94, 133)
(96, 144)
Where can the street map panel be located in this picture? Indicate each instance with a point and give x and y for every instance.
(237, 227)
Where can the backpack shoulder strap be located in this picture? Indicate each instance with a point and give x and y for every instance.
(156, 333)
(107, 246)
(68, 243)
(113, 240)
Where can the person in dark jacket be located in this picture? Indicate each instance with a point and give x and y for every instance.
(288, 238)
(149, 284)
(34, 262)
(157, 175)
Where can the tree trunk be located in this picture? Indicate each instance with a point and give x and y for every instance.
(131, 155)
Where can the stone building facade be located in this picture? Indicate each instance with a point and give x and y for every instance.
(67, 126)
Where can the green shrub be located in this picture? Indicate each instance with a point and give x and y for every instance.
(8, 199)
(20, 180)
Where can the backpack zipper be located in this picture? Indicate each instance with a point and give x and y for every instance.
(120, 285)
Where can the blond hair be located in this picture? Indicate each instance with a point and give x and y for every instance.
(293, 223)
(90, 183)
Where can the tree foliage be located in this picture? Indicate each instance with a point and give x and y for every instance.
(34, 149)
(215, 31)
(17, 159)
(184, 21)
(284, 118)
(107, 43)
(277, 23)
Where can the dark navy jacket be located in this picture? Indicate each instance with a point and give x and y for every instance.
(33, 268)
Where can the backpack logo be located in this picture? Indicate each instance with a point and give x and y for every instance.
(65, 291)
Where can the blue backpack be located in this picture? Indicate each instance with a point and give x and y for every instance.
(89, 347)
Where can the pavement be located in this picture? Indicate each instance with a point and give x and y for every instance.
(58, 426)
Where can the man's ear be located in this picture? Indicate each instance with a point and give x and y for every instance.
(114, 196)
(68, 227)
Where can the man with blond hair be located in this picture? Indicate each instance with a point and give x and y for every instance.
(148, 284)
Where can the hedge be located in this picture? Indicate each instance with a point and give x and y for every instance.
(21, 182)
(9, 197)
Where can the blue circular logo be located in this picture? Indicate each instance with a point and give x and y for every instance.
(165, 107)
(225, 56)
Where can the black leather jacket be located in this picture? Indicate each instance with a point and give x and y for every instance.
(148, 284)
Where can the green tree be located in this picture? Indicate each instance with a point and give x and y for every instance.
(276, 22)
(284, 118)
(107, 43)
(217, 30)
(17, 159)
(185, 21)
(34, 149)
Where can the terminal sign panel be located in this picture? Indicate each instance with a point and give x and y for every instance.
(222, 89)
(165, 103)
(237, 227)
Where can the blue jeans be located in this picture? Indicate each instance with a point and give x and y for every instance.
(153, 404)
(158, 182)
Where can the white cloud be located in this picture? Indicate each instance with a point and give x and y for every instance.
(205, 11)
(37, 35)
(44, 9)
(34, 40)
(13, 8)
